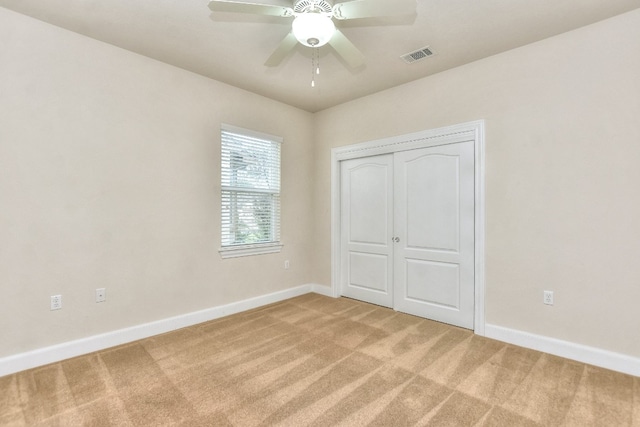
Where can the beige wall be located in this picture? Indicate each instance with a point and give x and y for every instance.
(562, 176)
(109, 177)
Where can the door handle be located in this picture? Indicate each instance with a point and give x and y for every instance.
(395, 239)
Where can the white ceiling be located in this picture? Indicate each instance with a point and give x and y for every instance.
(232, 47)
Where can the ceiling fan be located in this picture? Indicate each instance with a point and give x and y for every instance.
(313, 24)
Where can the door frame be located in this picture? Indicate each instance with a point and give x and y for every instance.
(464, 132)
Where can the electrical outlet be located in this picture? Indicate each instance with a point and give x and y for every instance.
(548, 297)
(286, 265)
(56, 302)
(101, 295)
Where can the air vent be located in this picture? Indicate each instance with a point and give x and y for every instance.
(418, 55)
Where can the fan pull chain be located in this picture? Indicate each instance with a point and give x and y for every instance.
(315, 65)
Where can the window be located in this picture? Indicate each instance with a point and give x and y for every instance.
(250, 187)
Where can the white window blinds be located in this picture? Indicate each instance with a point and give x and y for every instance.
(250, 188)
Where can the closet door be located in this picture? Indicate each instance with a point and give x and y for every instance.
(366, 270)
(434, 224)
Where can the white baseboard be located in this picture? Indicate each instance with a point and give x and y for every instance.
(43, 356)
(581, 353)
(322, 290)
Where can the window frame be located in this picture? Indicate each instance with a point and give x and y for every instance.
(240, 250)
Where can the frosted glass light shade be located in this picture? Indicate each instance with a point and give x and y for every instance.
(313, 29)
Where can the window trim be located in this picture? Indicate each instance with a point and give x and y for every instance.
(241, 250)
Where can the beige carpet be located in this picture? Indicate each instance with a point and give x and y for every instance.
(319, 361)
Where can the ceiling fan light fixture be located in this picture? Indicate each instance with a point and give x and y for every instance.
(313, 29)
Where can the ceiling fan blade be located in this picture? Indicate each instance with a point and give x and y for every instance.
(281, 52)
(255, 8)
(346, 49)
(373, 8)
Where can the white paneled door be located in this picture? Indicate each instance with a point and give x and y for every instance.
(367, 221)
(408, 231)
(434, 223)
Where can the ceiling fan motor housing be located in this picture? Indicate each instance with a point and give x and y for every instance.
(320, 6)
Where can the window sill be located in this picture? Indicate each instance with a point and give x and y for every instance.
(248, 250)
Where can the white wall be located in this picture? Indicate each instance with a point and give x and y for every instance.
(109, 177)
(562, 176)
